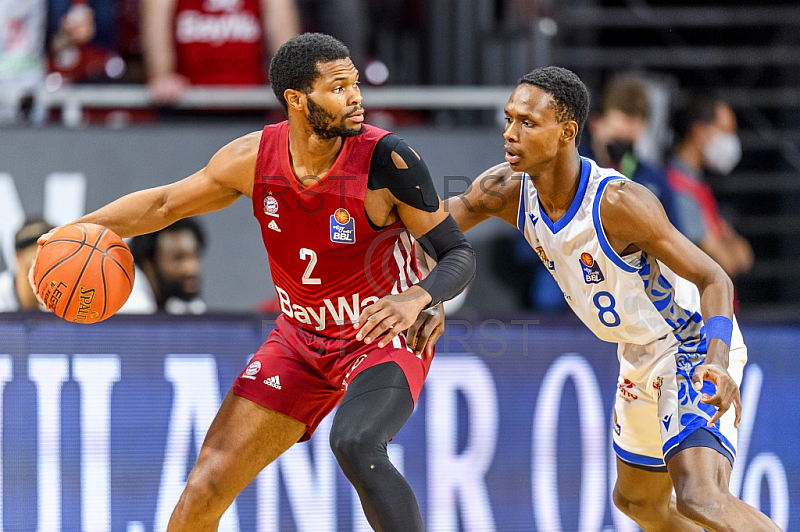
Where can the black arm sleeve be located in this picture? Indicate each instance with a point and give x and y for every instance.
(446, 244)
(413, 185)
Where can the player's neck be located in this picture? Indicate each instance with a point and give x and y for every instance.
(310, 155)
(557, 185)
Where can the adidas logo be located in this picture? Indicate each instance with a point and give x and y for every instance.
(275, 382)
(272, 225)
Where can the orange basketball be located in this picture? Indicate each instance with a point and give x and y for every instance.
(84, 273)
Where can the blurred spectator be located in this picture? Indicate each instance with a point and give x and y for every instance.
(613, 131)
(211, 42)
(22, 59)
(168, 270)
(23, 52)
(15, 292)
(347, 20)
(706, 140)
(82, 43)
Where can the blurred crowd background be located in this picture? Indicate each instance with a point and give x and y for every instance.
(696, 99)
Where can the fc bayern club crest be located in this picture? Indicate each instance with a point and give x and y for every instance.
(271, 206)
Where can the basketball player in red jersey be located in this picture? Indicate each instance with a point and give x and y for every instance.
(336, 200)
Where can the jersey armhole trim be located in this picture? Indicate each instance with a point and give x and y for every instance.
(521, 206)
(598, 226)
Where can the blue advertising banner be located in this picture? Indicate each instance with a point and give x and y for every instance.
(101, 425)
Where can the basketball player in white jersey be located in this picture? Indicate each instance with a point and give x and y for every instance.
(633, 279)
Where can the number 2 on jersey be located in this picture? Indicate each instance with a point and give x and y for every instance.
(606, 310)
(306, 253)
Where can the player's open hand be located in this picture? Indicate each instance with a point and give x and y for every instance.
(426, 330)
(727, 391)
(41, 241)
(391, 315)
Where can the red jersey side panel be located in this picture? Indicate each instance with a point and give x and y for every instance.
(326, 260)
(219, 42)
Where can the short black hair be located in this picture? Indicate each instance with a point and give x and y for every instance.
(29, 233)
(143, 247)
(570, 96)
(294, 65)
(694, 108)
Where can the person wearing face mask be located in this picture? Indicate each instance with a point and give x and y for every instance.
(168, 267)
(614, 129)
(706, 140)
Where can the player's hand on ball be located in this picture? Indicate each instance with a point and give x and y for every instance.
(426, 330)
(727, 391)
(391, 315)
(41, 241)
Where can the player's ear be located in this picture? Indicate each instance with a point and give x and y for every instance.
(295, 99)
(569, 131)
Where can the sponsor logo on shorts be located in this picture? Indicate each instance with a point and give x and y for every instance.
(252, 370)
(343, 227)
(275, 382)
(617, 427)
(624, 390)
(666, 421)
(657, 385)
(271, 206)
(591, 270)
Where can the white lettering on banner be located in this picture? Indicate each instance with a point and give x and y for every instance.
(193, 26)
(95, 376)
(195, 401)
(64, 197)
(49, 373)
(351, 308)
(310, 485)
(360, 523)
(5, 376)
(545, 454)
(64, 201)
(765, 465)
(458, 480)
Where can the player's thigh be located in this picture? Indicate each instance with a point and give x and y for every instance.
(644, 489)
(243, 439)
(699, 470)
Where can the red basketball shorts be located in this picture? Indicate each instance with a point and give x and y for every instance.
(304, 376)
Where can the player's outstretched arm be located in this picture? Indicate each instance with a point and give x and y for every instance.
(414, 198)
(228, 175)
(494, 193)
(633, 218)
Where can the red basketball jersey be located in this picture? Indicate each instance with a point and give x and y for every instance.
(219, 42)
(326, 260)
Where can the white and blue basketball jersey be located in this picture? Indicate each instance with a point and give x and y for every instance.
(632, 299)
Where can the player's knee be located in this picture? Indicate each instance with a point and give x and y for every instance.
(353, 448)
(642, 510)
(697, 502)
(202, 496)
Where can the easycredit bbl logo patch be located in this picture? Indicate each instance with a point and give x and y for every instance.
(591, 270)
(343, 227)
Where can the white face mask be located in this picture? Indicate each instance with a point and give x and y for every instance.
(723, 153)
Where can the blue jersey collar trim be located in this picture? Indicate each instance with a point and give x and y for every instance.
(555, 227)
